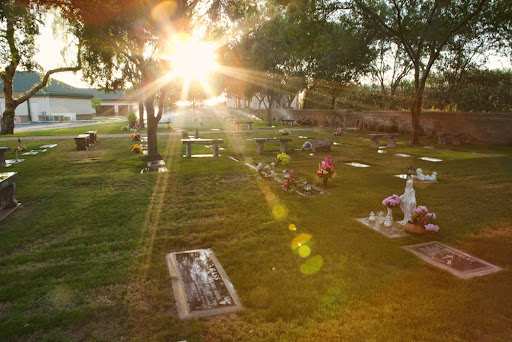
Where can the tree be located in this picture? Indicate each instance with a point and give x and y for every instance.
(19, 25)
(423, 28)
(123, 37)
(389, 69)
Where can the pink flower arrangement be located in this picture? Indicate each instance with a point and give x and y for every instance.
(422, 217)
(326, 169)
(391, 201)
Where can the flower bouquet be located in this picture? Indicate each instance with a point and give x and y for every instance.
(390, 202)
(284, 131)
(282, 158)
(288, 184)
(135, 136)
(325, 170)
(136, 148)
(421, 221)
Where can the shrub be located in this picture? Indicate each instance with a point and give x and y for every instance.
(132, 119)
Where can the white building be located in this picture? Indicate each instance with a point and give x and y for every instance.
(59, 101)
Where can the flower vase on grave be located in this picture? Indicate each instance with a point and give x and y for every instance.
(389, 218)
(324, 182)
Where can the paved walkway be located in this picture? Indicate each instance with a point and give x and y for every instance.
(125, 135)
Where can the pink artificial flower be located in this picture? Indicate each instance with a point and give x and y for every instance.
(432, 227)
(424, 219)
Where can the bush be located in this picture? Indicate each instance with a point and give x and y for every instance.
(132, 119)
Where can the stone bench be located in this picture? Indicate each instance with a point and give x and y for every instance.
(261, 141)
(93, 137)
(82, 142)
(7, 190)
(214, 142)
(454, 137)
(2, 156)
(287, 121)
(238, 123)
(374, 139)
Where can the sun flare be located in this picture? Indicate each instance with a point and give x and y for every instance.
(193, 60)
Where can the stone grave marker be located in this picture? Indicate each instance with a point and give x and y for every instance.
(488, 154)
(48, 146)
(435, 160)
(322, 145)
(201, 286)
(452, 260)
(382, 151)
(30, 153)
(355, 164)
(403, 155)
(415, 178)
(395, 231)
(9, 162)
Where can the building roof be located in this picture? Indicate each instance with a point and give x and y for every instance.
(24, 81)
(109, 96)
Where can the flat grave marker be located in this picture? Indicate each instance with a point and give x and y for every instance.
(395, 231)
(456, 262)
(201, 286)
(9, 162)
(435, 160)
(382, 151)
(488, 154)
(415, 178)
(355, 164)
(30, 153)
(403, 155)
(48, 146)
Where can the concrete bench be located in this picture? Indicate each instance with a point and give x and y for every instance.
(7, 190)
(93, 137)
(261, 141)
(214, 142)
(455, 138)
(2, 156)
(374, 139)
(287, 121)
(238, 123)
(82, 141)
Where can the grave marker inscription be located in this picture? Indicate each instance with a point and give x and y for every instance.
(200, 284)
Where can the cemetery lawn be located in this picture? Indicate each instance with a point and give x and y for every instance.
(84, 258)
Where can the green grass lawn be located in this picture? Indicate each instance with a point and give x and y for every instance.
(84, 258)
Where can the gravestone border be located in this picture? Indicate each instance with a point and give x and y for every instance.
(180, 295)
(460, 274)
(389, 232)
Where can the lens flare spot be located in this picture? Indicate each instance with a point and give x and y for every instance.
(304, 251)
(300, 239)
(270, 196)
(292, 227)
(280, 212)
(163, 10)
(313, 265)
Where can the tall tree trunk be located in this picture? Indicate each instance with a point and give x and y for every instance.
(10, 107)
(334, 96)
(152, 129)
(141, 114)
(415, 117)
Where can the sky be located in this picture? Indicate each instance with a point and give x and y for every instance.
(50, 47)
(49, 56)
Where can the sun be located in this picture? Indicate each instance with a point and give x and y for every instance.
(193, 59)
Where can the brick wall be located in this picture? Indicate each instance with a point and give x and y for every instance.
(482, 128)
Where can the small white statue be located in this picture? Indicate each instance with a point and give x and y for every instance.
(407, 201)
(380, 218)
(420, 175)
(372, 217)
